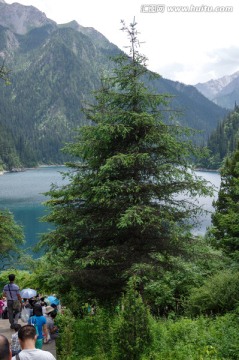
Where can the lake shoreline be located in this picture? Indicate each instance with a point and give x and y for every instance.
(207, 170)
(20, 170)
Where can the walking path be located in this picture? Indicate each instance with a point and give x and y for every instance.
(5, 330)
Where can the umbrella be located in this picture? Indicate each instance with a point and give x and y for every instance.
(53, 300)
(28, 293)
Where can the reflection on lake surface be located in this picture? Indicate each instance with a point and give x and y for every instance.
(23, 194)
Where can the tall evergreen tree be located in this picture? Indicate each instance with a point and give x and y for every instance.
(225, 220)
(133, 334)
(124, 201)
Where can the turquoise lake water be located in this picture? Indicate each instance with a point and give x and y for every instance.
(23, 194)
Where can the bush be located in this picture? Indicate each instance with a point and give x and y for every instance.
(218, 295)
(65, 344)
(102, 336)
(122, 334)
(87, 338)
(200, 339)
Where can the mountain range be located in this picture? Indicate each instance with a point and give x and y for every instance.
(54, 70)
(223, 91)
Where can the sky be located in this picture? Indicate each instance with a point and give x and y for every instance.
(189, 41)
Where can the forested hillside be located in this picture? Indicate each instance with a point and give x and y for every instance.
(54, 69)
(53, 72)
(223, 141)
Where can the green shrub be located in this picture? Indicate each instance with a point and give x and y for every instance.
(65, 344)
(198, 339)
(84, 338)
(133, 334)
(218, 295)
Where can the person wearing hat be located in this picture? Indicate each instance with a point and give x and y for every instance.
(52, 328)
(49, 309)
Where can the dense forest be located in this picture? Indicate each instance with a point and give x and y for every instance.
(223, 140)
(122, 241)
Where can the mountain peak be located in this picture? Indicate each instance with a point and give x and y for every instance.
(72, 24)
(95, 35)
(20, 18)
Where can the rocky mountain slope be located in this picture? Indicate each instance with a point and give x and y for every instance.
(223, 91)
(22, 19)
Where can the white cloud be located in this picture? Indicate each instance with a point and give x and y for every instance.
(184, 46)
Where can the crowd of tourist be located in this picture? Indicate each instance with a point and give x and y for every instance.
(38, 313)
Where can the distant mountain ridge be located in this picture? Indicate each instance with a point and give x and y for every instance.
(54, 69)
(223, 92)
